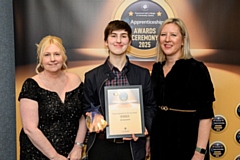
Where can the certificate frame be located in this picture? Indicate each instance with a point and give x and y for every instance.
(124, 111)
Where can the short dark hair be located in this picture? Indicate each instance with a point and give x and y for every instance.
(117, 25)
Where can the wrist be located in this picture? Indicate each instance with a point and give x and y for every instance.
(51, 157)
(201, 150)
(148, 138)
(81, 145)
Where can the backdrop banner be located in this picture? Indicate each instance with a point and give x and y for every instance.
(214, 33)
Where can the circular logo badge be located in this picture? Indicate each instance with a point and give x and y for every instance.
(144, 17)
(123, 96)
(237, 158)
(217, 149)
(238, 110)
(218, 123)
(237, 137)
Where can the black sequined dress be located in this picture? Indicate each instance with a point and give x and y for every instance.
(58, 120)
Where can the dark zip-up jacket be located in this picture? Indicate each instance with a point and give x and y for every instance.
(94, 92)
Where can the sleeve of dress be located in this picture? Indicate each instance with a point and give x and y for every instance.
(204, 91)
(158, 82)
(29, 90)
(154, 74)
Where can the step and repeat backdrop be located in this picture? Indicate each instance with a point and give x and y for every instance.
(214, 33)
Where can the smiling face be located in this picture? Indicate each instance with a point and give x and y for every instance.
(52, 59)
(171, 40)
(118, 42)
(47, 46)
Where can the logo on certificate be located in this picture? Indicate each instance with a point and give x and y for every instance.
(144, 17)
(123, 96)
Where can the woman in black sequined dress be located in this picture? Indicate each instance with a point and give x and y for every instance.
(51, 108)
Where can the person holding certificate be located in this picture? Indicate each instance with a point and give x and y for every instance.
(184, 94)
(117, 71)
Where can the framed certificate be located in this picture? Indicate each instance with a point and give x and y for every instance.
(124, 111)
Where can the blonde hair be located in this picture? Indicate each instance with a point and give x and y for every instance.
(186, 45)
(42, 46)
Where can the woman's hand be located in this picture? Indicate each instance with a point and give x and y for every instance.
(58, 157)
(76, 153)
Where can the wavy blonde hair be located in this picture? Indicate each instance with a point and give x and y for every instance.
(42, 46)
(186, 54)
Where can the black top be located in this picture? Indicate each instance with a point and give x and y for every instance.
(58, 121)
(187, 86)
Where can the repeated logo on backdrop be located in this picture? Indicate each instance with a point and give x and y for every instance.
(237, 158)
(217, 149)
(219, 123)
(237, 137)
(237, 111)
